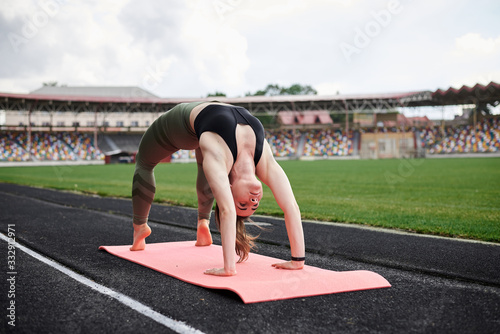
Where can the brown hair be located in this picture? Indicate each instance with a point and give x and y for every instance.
(244, 241)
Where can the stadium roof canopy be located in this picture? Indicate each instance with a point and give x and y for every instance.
(134, 99)
(489, 94)
(104, 91)
(309, 117)
(71, 101)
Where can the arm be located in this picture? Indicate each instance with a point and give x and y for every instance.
(216, 171)
(271, 173)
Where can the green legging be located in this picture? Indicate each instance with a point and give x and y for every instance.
(168, 134)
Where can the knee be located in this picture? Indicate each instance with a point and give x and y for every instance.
(141, 165)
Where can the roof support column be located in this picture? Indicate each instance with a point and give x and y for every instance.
(475, 147)
(96, 110)
(28, 144)
(346, 120)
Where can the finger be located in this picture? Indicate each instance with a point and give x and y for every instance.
(280, 264)
(210, 271)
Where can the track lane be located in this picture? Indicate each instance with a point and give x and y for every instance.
(49, 301)
(445, 257)
(416, 302)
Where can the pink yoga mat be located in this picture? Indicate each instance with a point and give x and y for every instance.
(256, 281)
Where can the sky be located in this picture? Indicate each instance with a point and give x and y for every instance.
(190, 48)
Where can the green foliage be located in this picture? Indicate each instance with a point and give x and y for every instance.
(450, 197)
(268, 121)
(275, 89)
(217, 93)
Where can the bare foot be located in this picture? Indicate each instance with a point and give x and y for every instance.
(141, 232)
(203, 236)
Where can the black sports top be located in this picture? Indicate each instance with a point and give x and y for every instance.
(222, 119)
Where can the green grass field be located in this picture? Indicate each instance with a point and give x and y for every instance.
(449, 197)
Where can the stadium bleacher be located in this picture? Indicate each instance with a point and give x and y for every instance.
(12, 148)
(126, 142)
(326, 143)
(463, 139)
(284, 143)
(48, 146)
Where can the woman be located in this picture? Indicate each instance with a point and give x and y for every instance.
(231, 153)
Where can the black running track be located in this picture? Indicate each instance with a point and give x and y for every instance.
(438, 285)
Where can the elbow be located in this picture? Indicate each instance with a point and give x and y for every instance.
(227, 214)
(293, 210)
(224, 214)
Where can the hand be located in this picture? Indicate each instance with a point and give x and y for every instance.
(220, 272)
(290, 265)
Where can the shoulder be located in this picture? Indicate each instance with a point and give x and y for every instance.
(212, 147)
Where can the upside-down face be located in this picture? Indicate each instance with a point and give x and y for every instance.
(247, 195)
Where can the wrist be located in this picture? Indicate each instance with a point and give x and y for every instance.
(230, 271)
(230, 267)
(297, 264)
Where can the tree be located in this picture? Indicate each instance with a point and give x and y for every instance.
(275, 89)
(297, 89)
(50, 83)
(217, 93)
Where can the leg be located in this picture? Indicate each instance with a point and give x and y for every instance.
(165, 136)
(203, 235)
(143, 191)
(144, 186)
(205, 203)
(141, 232)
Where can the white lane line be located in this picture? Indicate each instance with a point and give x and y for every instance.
(383, 230)
(175, 325)
(394, 231)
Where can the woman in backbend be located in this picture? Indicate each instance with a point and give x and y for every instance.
(231, 153)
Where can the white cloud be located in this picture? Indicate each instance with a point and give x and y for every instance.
(474, 45)
(217, 51)
(474, 59)
(263, 10)
(478, 77)
(328, 88)
(193, 47)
